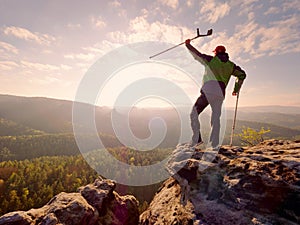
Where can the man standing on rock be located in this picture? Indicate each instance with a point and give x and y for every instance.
(218, 70)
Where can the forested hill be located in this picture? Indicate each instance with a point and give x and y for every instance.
(33, 146)
(48, 115)
(282, 119)
(55, 116)
(52, 118)
(30, 115)
(8, 127)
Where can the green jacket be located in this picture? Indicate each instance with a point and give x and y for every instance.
(218, 68)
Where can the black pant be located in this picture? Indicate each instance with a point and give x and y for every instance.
(215, 101)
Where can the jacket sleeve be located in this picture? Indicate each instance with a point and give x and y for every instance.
(238, 72)
(202, 58)
(240, 75)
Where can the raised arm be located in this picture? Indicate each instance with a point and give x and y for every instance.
(196, 54)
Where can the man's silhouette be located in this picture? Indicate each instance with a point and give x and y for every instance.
(218, 70)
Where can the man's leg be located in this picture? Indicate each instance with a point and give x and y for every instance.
(199, 106)
(216, 107)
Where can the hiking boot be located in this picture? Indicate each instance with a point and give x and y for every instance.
(198, 145)
(196, 139)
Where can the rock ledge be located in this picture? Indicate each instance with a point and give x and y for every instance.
(95, 203)
(253, 185)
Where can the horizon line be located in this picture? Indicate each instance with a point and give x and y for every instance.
(163, 107)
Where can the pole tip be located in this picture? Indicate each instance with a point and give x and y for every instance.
(209, 32)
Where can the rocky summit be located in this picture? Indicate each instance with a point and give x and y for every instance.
(250, 185)
(228, 186)
(94, 204)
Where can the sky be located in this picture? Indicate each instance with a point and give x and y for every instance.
(47, 47)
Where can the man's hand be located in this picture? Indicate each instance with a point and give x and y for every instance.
(237, 87)
(188, 41)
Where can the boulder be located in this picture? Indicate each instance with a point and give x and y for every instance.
(95, 203)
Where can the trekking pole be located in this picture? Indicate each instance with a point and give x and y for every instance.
(209, 32)
(234, 118)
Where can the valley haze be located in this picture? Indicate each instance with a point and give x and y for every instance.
(48, 115)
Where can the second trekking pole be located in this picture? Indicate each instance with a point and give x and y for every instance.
(234, 118)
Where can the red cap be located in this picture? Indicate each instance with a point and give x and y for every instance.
(219, 49)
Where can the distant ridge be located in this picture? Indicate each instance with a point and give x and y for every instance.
(271, 108)
(54, 116)
(261, 108)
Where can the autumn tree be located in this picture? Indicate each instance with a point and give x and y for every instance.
(251, 136)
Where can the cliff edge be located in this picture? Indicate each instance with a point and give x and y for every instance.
(252, 185)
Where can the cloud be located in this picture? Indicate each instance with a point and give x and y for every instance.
(272, 10)
(65, 67)
(170, 3)
(284, 7)
(83, 66)
(98, 22)
(212, 11)
(189, 3)
(99, 49)
(39, 66)
(46, 80)
(73, 26)
(81, 56)
(281, 37)
(141, 30)
(253, 40)
(7, 65)
(292, 4)
(44, 67)
(8, 48)
(245, 7)
(241, 4)
(47, 51)
(27, 35)
(117, 8)
(92, 49)
(115, 3)
(88, 54)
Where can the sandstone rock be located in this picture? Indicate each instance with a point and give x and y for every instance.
(253, 185)
(18, 217)
(95, 203)
(97, 193)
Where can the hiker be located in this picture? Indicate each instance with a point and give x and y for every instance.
(218, 70)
